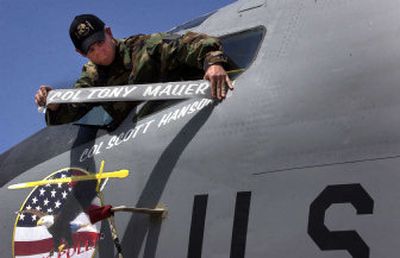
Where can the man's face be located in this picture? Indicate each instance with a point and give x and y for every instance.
(102, 52)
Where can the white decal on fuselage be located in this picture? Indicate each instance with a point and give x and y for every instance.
(183, 111)
(176, 90)
(66, 96)
(111, 92)
(143, 128)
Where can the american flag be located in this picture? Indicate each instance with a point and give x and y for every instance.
(33, 241)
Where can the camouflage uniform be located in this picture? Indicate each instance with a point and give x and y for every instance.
(151, 58)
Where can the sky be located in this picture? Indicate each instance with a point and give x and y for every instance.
(36, 48)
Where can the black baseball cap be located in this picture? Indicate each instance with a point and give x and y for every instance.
(85, 30)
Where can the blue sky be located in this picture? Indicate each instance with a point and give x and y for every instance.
(36, 49)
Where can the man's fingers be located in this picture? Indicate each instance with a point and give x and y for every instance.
(217, 89)
(46, 87)
(222, 88)
(219, 81)
(214, 87)
(41, 95)
(37, 100)
(229, 82)
(43, 91)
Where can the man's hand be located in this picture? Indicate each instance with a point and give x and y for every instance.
(41, 95)
(218, 78)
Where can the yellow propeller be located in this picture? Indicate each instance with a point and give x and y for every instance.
(99, 176)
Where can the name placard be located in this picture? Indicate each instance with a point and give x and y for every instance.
(137, 92)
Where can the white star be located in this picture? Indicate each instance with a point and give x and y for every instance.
(33, 217)
(63, 176)
(38, 208)
(42, 191)
(59, 185)
(53, 193)
(70, 189)
(64, 195)
(21, 216)
(57, 203)
(46, 202)
(34, 200)
(48, 185)
(28, 207)
(49, 210)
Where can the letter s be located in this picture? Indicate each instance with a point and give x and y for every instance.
(339, 240)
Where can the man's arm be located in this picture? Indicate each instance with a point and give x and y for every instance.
(193, 50)
(41, 95)
(206, 52)
(65, 113)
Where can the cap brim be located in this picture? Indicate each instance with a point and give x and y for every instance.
(98, 36)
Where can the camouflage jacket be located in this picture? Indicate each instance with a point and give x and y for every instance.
(151, 58)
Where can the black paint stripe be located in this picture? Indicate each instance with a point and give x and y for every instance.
(197, 227)
(240, 222)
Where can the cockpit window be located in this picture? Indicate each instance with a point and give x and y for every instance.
(240, 47)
